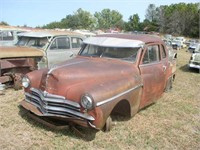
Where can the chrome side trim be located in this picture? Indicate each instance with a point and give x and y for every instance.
(116, 96)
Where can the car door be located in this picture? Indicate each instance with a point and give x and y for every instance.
(153, 73)
(59, 50)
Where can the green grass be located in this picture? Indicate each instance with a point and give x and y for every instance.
(172, 123)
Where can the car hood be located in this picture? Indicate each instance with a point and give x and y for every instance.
(15, 51)
(86, 72)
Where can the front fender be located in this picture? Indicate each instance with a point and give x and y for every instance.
(37, 79)
(107, 95)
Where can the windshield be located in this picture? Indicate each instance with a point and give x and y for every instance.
(32, 42)
(126, 54)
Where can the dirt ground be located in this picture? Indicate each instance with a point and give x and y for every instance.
(172, 123)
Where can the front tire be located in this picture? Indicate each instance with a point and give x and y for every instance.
(108, 125)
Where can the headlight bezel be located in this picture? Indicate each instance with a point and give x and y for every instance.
(26, 82)
(87, 101)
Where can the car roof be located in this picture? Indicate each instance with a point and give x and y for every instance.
(122, 40)
(41, 34)
(146, 38)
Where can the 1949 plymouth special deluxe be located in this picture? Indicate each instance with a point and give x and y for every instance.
(113, 73)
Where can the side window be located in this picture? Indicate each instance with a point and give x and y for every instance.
(76, 42)
(6, 35)
(60, 43)
(163, 52)
(152, 54)
(32, 42)
(54, 45)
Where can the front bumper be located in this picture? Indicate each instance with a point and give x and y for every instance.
(194, 66)
(49, 105)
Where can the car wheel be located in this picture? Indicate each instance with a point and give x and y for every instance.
(108, 125)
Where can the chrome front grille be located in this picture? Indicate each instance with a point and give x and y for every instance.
(51, 105)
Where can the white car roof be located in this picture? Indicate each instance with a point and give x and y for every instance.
(41, 34)
(113, 42)
(35, 34)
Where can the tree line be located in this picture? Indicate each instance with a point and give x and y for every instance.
(177, 19)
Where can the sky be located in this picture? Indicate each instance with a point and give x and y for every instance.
(40, 12)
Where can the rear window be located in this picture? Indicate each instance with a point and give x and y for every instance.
(6, 36)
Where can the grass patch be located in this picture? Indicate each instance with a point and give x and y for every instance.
(171, 123)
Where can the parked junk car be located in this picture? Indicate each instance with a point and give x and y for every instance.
(179, 42)
(190, 41)
(8, 35)
(195, 58)
(113, 73)
(36, 50)
(176, 44)
(168, 36)
(170, 43)
(193, 46)
(172, 54)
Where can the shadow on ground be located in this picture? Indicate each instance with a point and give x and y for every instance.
(185, 68)
(77, 132)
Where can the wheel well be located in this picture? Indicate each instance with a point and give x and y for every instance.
(175, 56)
(173, 77)
(122, 108)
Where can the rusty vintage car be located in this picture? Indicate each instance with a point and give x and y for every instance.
(36, 50)
(112, 74)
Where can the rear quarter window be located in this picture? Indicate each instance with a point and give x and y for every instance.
(163, 52)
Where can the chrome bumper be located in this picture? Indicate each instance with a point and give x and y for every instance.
(55, 105)
(194, 66)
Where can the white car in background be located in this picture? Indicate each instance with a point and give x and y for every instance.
(195, 58)
(179, 42)
(192, 47)
(8, 36)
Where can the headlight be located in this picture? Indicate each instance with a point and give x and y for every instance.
(87, 102)
(25, 82)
